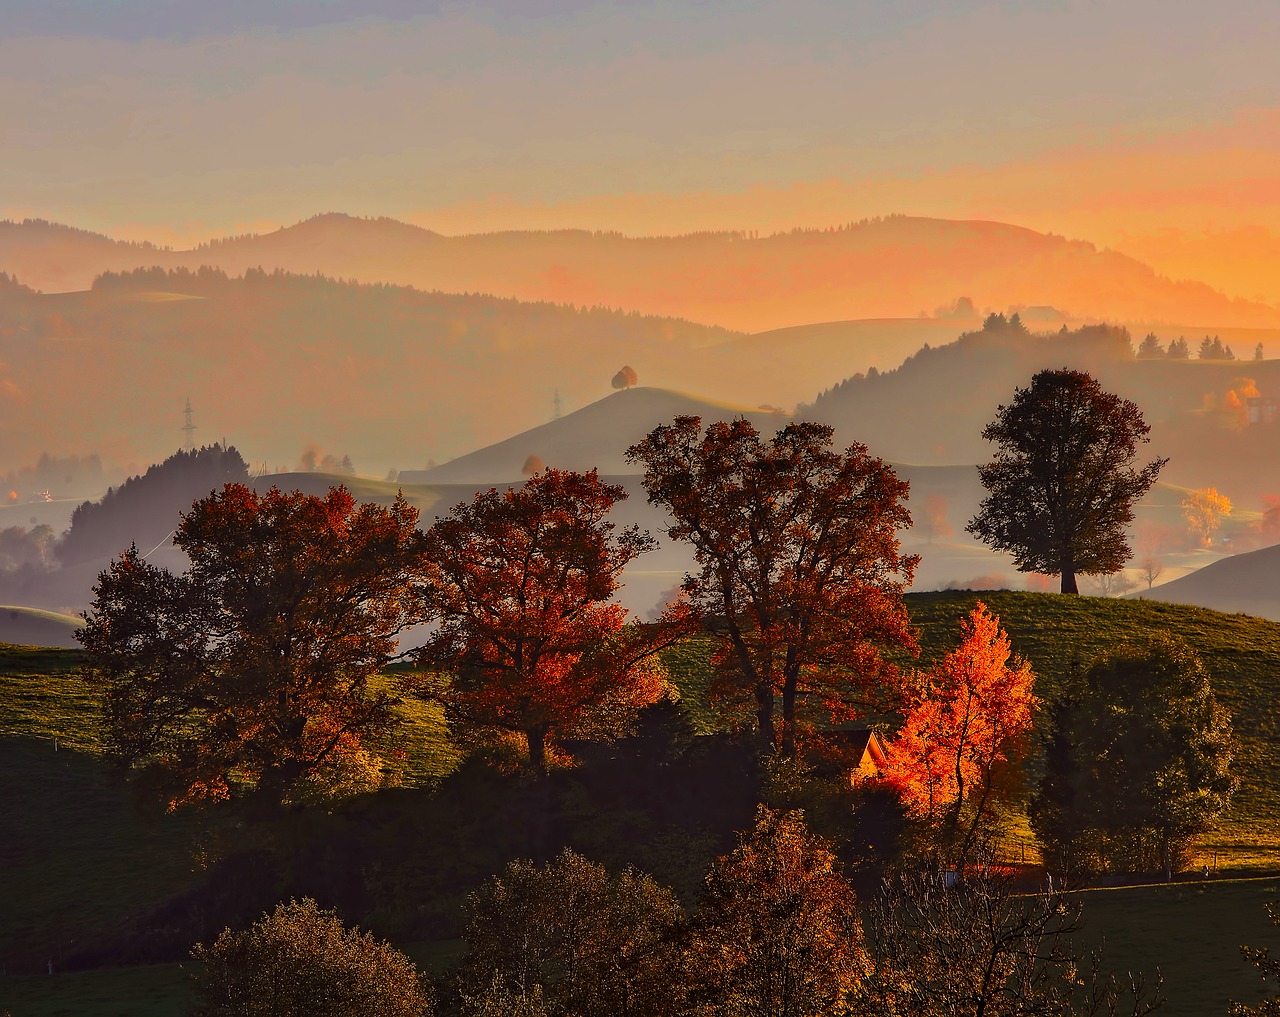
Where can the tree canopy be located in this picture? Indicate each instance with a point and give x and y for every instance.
(800, 568)
(967, 718)
(1139, 761)
(252, 669)
(528, 639)
(1061, 487)
(301, 961)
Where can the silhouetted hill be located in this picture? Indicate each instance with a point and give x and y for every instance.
(893, 267)
(26, 626)
(1243, 583)
(390, 376)
(594, 437)
(933, 408)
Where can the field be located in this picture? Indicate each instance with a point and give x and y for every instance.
(82, 852)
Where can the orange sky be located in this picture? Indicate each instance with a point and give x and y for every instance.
(1151, 126)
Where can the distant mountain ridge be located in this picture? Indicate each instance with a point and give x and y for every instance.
(895, 267)
(595, 437)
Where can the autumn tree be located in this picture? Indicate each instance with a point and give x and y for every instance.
(1204, 510)
(778, 933)
(253, 668)
(532, 465)
(625, 378)
(569, 939)
(1138, 762)
(301, 960)
(1061, 488)
(967, 721)
(528, 640)
(800, 572)
(933, 522)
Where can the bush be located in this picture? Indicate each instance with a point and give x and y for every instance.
(301, 961)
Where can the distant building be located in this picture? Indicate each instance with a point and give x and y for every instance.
(1263, 409)
(865, 750)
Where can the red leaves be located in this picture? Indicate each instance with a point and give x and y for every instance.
(521, 582)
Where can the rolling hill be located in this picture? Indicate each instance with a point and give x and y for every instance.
(594, 437)
(892, 267)
(1246, 583)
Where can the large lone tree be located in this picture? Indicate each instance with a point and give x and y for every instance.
(800, 569)
(1061, 487)
(251, 671)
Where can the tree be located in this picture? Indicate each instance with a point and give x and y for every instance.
(1178, 349)
(933, 522)
(528, 639)
(1151, 569)
(1204, 510)
(1257, 352)
(1061, 488)
(625, 378)
(1139, 761)
(300, 961)
(800, 570)
(1150, 347)
(252, 669)
(532, 465)
(568, 938)
(778, 933)
(967, 720)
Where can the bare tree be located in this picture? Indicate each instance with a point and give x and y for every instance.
(1151, 569)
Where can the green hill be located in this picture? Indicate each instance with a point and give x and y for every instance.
(83, 857)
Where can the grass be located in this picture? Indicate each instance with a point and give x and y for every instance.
(1192, 932)
(80, 856)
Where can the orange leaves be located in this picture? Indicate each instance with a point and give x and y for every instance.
(970, 713)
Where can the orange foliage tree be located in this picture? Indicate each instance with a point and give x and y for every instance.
(528, 640)
(800, 569)
(1204, 510)
(970, 715)
(251, 670)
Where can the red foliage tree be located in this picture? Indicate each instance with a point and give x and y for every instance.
(625, 378)
(528, 640)
(252, 669)
(800, 570)
(970, 714)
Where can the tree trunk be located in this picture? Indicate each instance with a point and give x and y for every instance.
(537, 738)
(764, 717)
(1069, 576)
(789, 717)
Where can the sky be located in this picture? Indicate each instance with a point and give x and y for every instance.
(1152, 126)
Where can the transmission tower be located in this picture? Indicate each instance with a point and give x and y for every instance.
(556, 407)
(189, 429)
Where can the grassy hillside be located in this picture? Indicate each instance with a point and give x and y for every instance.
(82, 856)
(1242, 654)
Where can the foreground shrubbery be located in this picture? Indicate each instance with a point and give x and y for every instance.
(301, 961)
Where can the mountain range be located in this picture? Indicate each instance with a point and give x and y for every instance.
(892, 267)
